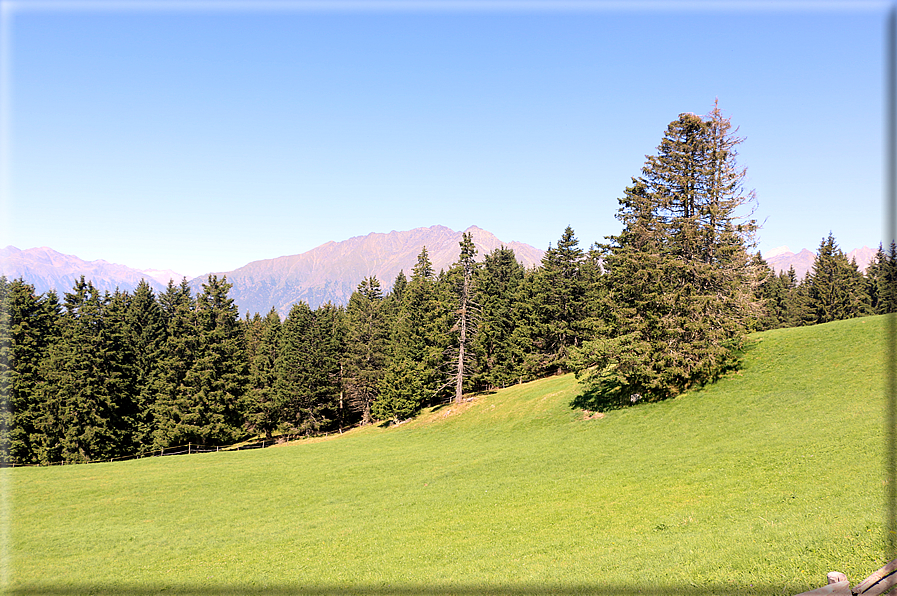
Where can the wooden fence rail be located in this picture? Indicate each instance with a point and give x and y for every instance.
(878, 583)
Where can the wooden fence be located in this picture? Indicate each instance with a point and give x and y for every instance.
(878, 583)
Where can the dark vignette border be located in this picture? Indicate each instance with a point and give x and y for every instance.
(510, 589)
(890, 233)
(399, 590)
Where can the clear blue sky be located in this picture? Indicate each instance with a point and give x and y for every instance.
(200, 137)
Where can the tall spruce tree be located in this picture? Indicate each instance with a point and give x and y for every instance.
(30, 328)
(309, 384)
(400, 389)
(261, 397)
(366, 349)
(881, 281)
(560, 302)
(204, 388)
(145, 329)
(5, 374)
(836, 288)
(218, 376)
(499, 344)
(88, 386)
(331, 331)
(679, 276)
(419, 330)
(176, 357)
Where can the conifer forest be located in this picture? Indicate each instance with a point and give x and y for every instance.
(663, 306)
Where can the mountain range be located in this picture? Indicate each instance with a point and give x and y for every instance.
(781, 259)
(330, 272)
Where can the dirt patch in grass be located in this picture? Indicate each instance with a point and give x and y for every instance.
(587, 415)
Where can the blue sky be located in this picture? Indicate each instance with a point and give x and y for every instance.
(200, 137)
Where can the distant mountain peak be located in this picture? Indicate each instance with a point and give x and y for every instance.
(47, 269)
(782, 260)
(333, 270)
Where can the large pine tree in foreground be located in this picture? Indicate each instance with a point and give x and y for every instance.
(678, 277)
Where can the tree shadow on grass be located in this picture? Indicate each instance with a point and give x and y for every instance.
(597, 399)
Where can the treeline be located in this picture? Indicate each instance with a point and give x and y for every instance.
(833, 289)
(659, 308)
(100, 375)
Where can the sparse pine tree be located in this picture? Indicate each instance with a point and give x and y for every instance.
(463, 277)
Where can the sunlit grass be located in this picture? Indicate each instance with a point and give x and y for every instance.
(761, 483)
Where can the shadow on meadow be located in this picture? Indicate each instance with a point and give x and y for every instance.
(597, 399)
(607, 396)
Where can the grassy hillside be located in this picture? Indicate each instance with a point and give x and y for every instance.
(761, 483)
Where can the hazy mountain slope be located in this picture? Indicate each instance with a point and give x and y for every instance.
(47, 269)
(333, 270)
(782, 259)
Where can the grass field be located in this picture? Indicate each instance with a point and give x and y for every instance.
(759, 484)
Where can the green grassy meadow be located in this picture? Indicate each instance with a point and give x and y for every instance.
(759, 484)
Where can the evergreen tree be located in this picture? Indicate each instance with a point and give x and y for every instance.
(888, 291)
(400, 390)
(145, 329)
(331, 328)
(398, 288)
(560, 302)
(253, 328)
(88, 381)
(177, 354)
(261, 407)
(309, 386)
(772, 294)
(463, 275)
(216, 381)
(203, 368)
(30, 326)
(366, 352)
(836, 289)
(498, 343)
(881, 281)
(420, 326)
(6, 368)
(679, 276)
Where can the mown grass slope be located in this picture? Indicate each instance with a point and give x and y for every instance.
(761, 483)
